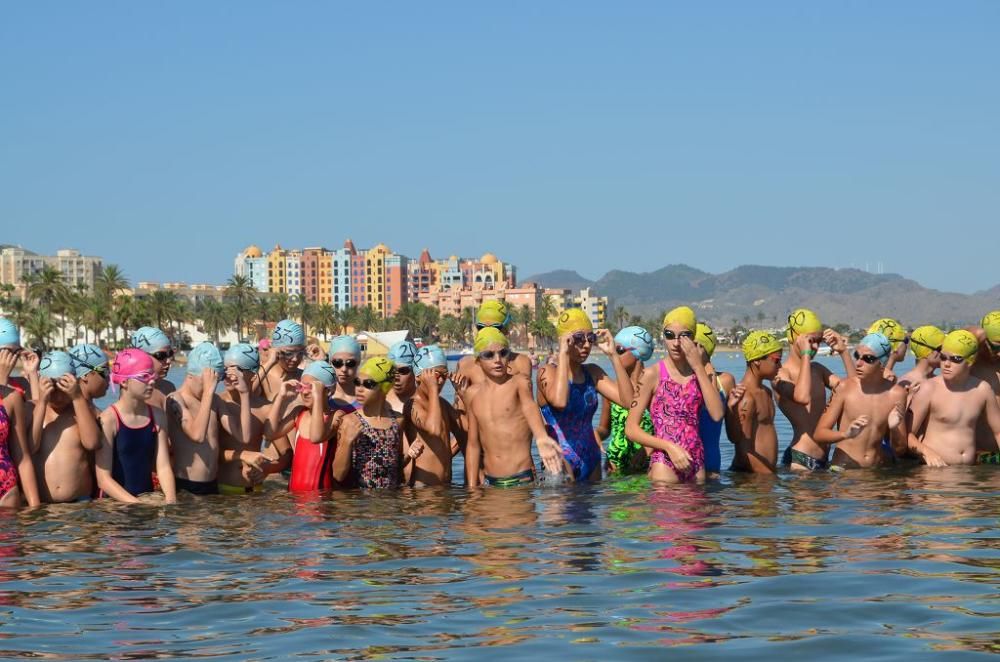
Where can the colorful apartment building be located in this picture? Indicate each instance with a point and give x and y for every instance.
(17, 265)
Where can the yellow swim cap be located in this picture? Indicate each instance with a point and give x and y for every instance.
(573, 320)
(963, 343)
(991, 325)
(379, 368)
(489, 336)
(925, 339)
(802, 320)
(683, 316)
(704, 337)
(759, 344)
(889, 328)
(493, 313)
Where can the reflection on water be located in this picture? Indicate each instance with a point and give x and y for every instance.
(884, 563)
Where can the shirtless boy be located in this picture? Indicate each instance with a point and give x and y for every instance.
(987, 368)
(64, 431)
(804, 454)
(865, 408)
(946, 408)
(156, 344)
(429, 422)
(502, 419)
(404, 383)
(242, 466)
(750, 404)
(193, 422)
(925, 343)
(493, 314)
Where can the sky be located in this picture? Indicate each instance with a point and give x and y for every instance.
(166, 137)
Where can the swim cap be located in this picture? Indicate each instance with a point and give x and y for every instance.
(990, 324)
(704, 336)
(242, 355)
(380, 368)
(264, 343)
(493, 312)
(681, 315)
(802, 320)
(55, 364)
(288, 333)
(429, 356)
(889, 328)
(759, 344)
(925, 339)
(86, 357)
(9, 335)
(489, 336)
(322, 372)
(878, 344)
(637, 339)
(130, 363)
(345, 345)
(150, 339)
(572, 320)
(963, 343)
(403, 353)
(205, 355)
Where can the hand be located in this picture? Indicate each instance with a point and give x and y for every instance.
(350, 428)
(678, 456)
(338, 418)
(415, 449)
(931, 459)
(899, 354)
(460, 382)
(606, 342)
(69, 385)
(859, 424)
(565, 342)
(835, 341)
(209, 380)
(254, 459)
(252, 474)
(317, 391)
(268, 357)
(692, 352)
(895, 416)
(241, 383)
(735, 396)
(806, 346)
(45, 386)
(551, 454)
(315, 352)
(289, 389)
(430, 377)
(8, 359)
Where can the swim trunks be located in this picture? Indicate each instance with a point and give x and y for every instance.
(811, 463)
(526, 477)
(986, 457)
(233, 490)
(199, 488)
(573, 427)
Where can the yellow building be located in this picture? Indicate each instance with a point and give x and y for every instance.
(276, 269)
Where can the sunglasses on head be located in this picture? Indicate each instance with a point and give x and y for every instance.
(163, 355)
(403, 370)
(340, 363)
(870, 359)
(580, 338)
(670, 335)
(489, 354)
(367, 383)
(952, 358)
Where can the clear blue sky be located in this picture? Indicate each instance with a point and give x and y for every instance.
(167, 136)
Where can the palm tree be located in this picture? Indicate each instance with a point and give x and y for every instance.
(18, 310)
(110, 282)
(163, 305)
(366, 319)
(6, 294)
(279, 308)
(325, 319)
(96, 316)
(215, 318)
(241, 293)
(39, 328)
(620, 317)
(452, 329)
(48, 289)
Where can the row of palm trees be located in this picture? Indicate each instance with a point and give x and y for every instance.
(55, 314)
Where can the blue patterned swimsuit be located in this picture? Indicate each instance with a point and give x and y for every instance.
(573, 427)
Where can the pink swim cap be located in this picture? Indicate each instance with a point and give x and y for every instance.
(264, 344)
(130, 363)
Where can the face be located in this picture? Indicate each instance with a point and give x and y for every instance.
(94, 384)
(494, 360)
(306, 390)
(672, 334)
(367, 389)
(162, 360)
(403, 379)
(289, 357)
(626, 356)
(346, 366)
(769, 366)
(866, 363)
(581, 342)
(952, 369)
(141, 388)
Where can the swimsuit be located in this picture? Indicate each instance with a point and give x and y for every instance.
(200, 488)
(135, 455)
(624, 455)
(375, 460)
(8, 475)
(986, 457)
(674, 410)
(573, 426)
(312, 464)
(808, 461)
(526, 477)
(711, 431)
(233, 490)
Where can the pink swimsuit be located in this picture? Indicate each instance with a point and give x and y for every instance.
(8, 474)
(674, 410)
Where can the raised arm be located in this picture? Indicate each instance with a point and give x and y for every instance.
(86, 423)
(347, 434)
(838, 345)
(38, 410)
(740, 416)
(553, 383)
(428, 417)
(713, 401)
(620, 390)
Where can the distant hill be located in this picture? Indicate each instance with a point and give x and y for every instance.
(850, 296)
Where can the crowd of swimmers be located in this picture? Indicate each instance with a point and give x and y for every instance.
(328, 420)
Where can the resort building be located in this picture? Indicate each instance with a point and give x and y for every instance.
(17, 265)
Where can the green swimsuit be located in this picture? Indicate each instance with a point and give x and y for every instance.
(626, 456)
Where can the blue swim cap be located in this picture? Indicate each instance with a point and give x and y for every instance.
(86, 357)
(243, 355)
(345, 345)
(55, 365)
(9, 335)
(205, 355)
(288, 333)
(322, 371)
(638, 339)
(150, 339)
(430, 356)
(879, 344)
(403, 353)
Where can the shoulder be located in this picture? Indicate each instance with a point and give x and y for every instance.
(522, 363)
(595, 371)
(158, 416)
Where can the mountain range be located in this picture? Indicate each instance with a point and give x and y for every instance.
(765, 295)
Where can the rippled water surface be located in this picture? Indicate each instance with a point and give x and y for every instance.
(861, 564)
